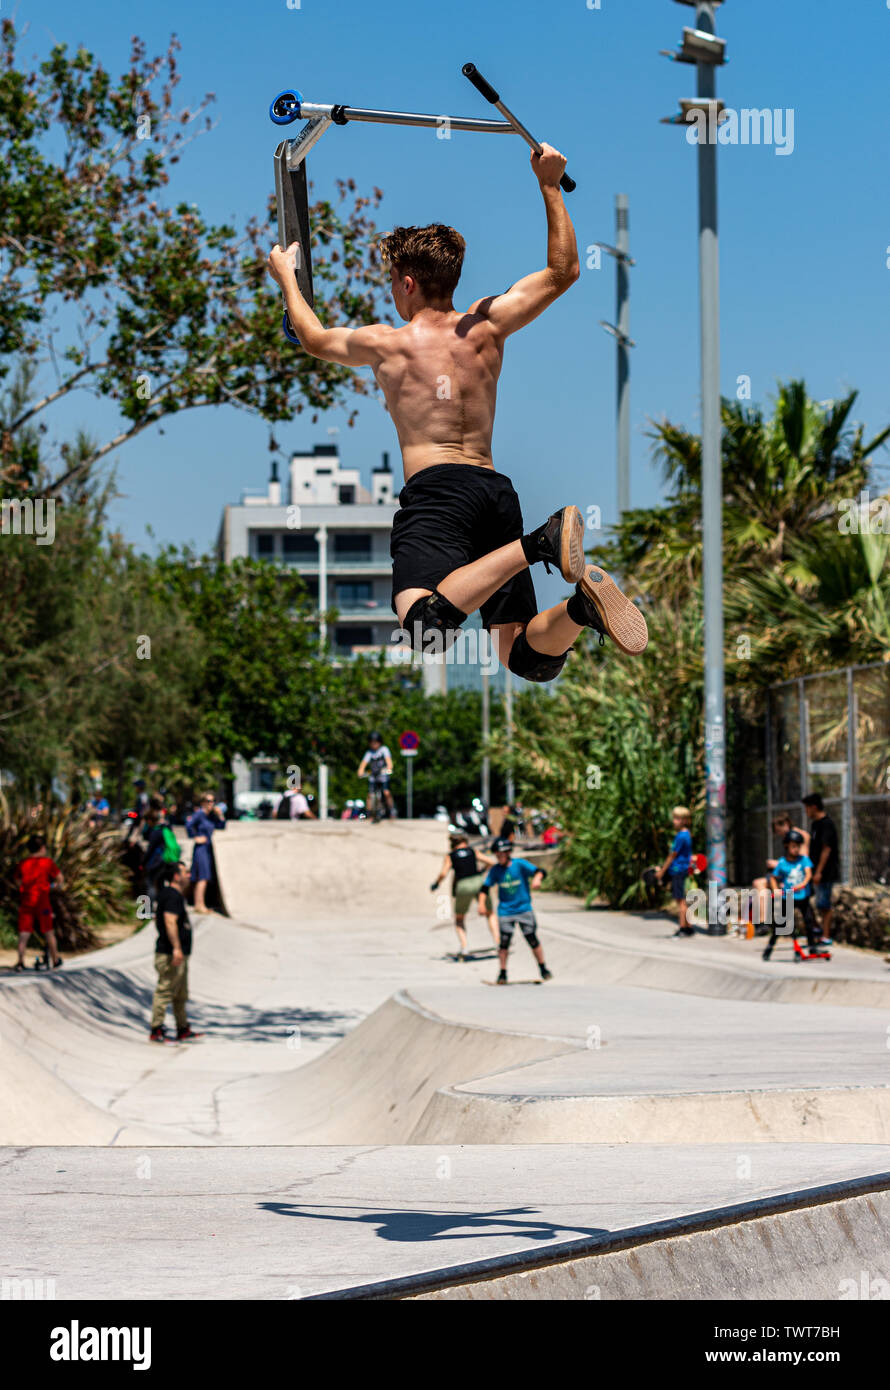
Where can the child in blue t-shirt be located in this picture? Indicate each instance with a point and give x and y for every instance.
(794, 874)
(515, 880)
(677, 865)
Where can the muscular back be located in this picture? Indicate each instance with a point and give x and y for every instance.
(439, 376)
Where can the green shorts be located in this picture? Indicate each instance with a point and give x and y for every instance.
(466, 890)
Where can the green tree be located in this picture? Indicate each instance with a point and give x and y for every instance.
(782, 475)
(162, 310)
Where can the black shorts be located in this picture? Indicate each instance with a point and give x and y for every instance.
(451, 514)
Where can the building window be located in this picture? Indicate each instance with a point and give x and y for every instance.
(351, 547)
(300, 545)
(265, 544)
(356, 591)
(345, 638)
(347, 494)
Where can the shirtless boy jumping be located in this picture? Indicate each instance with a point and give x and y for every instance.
(458, 540)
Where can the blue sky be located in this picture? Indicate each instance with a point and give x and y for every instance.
(804, 238)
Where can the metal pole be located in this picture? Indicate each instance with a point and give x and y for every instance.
(410, 796)
(312, 110)
(508, 720)
(486, 731)
(622, 322)
(712, 483)
(321, 536)
(852, 780)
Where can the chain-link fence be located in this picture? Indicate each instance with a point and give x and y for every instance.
(827, 733)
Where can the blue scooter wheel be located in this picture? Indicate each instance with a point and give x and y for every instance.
(286, 107)
(288, 331)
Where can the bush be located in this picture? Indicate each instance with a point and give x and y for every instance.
(611, 751)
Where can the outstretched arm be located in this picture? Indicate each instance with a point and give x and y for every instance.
(351, 347)
(531, 295)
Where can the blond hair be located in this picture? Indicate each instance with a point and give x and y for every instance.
(683, 814)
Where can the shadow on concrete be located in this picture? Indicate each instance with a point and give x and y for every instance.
(108, 1000)
(417, 1226)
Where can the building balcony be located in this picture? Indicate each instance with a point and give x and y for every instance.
(372, 611)
(341, 566)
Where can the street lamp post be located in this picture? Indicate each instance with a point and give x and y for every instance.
(620, 331)
(702, 47)
(486, 731)
(322, 537)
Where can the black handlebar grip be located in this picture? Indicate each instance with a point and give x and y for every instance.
(472, 72)
(567, 185)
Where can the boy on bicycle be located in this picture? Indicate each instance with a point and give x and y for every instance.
(376, 765)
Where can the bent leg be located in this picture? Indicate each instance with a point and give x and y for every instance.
(552, 632)
(471, 585)
(537, 650)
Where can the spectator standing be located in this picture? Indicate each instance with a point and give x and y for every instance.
(172, 953)
(34, 876)
(824, 852)
(162, 849)
(200, 827)
(678, 863)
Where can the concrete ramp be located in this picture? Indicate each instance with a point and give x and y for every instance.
(285, 871)
(375, 1085)
(824, 1244)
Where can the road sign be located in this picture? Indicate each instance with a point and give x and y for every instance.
(409, 741)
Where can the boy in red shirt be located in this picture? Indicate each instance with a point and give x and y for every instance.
(34, 876)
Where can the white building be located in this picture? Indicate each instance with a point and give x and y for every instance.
(334, 532)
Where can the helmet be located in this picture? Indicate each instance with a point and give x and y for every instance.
(793, 837)
(503, 846)
(374, 737)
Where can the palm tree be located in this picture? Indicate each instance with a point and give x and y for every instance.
(826, 605)
(782, 476)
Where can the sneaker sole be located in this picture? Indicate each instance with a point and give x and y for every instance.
(622, 619)
(572, 561)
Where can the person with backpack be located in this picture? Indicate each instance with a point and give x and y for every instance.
(162, 849)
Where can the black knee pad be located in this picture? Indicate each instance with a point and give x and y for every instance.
(531, 665)
(533, 941)
(506, 938)
(432, 623)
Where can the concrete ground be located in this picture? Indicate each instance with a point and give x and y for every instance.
(288, 1223)
(340, 1031)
